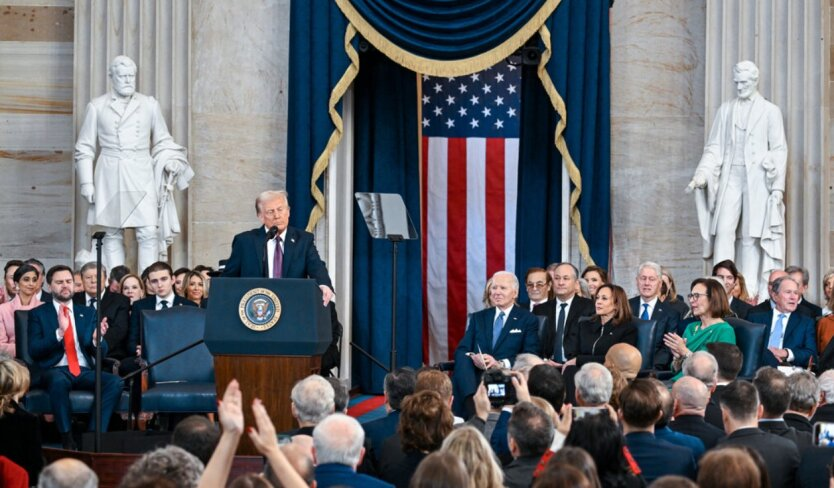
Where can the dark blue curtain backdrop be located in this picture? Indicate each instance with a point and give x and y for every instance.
(385, 161)
(386, 142)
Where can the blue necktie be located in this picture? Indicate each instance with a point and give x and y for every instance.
(778, 333)
(559, 343)
(496, 328)
(645, 314)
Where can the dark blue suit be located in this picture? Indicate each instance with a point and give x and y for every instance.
(47, 351)
(800, 338)
(520, 334)
(376, 431)
(658, 458)
(301, 259)
(667, 321)
(340, 475)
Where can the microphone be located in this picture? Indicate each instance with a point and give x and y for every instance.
(273, 231)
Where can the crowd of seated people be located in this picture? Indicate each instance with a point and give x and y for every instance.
(562, 401)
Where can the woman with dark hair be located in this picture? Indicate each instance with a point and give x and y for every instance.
(440, 470)
(425, 420)
(669, 293)
(595, 277)
(600, 437)
(8, 289)
(26, 278)
(709, 304)
(591, 339)
(580, 459)
(561, 475)
(179, 276)
(731, 467)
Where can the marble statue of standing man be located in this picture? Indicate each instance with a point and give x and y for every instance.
(741, 181)
(137, 169)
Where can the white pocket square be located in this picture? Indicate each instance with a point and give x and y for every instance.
(515, 331)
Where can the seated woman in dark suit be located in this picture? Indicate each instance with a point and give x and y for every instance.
(19, 429)
(611, 325)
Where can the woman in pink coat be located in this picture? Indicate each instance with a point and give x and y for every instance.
(26, 278)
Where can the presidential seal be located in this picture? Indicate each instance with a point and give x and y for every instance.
(259, 309)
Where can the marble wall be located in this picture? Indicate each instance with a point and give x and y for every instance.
(36, 132)
(657, 135)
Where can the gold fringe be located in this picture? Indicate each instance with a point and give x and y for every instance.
(324, 159)
(457, 67)
(573, 171)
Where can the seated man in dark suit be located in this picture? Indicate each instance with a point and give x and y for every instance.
(741, 408)
(563, 313)
(337, 451)
(772, 386)
(791, 339)
(804, 389)
(493, 337)
(727, 271)
(640, 409)
(62, 341)
(690, 397)
(290, 252)
(114, 306)
(398, 385)
(802, 278)
(648, 306)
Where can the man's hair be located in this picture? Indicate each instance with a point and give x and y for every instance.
(804, 389)
(702, 365)
(10, 263)
(434, 380)
(119, 272)
(438, 469)
(653, 266)
(180, 271)
(398, 385)
(341, 397)
(512, 276)
(268, 195)
(531, 429)
(537, 270)
(594, 384)
(203, 267)
(729, 358)
(719, 305)
(746, 67)
(741, 400)
(772, 386)
(666, 402)
(777, 283)
(57, 269)
(525, 361)
(729, 466)
(338, 439)
(806, 278)
(640, 404)
(175, 463)
(573, 268)
(546, 381)
(67, 473)
(159, 266)
(250, 480)
(727, 264)
(313, 398)
(91, 265)
(197, 435)
(691, 393)
(118, 61)
(827, 385)
(35, 262)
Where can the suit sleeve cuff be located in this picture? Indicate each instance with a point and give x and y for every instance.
(506, 363)
(790, 356)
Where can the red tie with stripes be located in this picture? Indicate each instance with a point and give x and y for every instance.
(69, 341)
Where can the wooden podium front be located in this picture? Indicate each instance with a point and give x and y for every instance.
(267, 363)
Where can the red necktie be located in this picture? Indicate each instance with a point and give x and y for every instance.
(69, 341)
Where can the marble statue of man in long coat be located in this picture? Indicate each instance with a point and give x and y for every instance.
(741, 181)
(136, 171)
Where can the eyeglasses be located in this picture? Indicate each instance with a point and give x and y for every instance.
(538, 284)
(696, 296)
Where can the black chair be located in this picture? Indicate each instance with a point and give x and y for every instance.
(646, 332)
(185, 382)
(750, 340)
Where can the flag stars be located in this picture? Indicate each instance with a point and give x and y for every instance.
(426, 122)
(486, 111)
(474, 100)
(426, 99)
(473, 123)
(450, 123)
(510, 112)
(511, 67)
(426, 78)
(451, 79)
(474, 77)
(487, 89)
(462, 88)
(462, 112)
(499, 124)
(438, 111)
(438, 88)
(499, 77)
(450, 100)
(511, 89)
(499, 101)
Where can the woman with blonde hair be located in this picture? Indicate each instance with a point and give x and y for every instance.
(473, 449)
(16, 423)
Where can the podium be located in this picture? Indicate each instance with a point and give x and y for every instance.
(267, 334)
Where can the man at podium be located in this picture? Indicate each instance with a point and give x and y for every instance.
(276, 250)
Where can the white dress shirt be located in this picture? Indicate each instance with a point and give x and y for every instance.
(652, 303)
(773, 321)
(169, 300)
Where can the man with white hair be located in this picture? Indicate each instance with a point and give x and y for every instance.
(594, 385)
(494, 336)
(337, 451)
(67, 473)
(648, 306)
(313, 399)
(703, 366)
(691, 396)
(804, 389)
(825, 411)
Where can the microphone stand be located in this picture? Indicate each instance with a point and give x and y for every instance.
(273, 231)
(98, 236)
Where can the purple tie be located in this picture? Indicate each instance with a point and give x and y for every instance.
(277, 259)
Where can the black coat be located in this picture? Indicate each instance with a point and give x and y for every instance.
(740, 308)
(695, 425)
(780, 455)
(579, 307)
(591, 339)
(667, 321)
(21, 434)
(116, 308)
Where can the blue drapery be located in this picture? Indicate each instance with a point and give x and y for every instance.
(443, 31)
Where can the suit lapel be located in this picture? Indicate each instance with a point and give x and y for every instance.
(790, 328)
(289, 251)
(258, 241)
(508, 325)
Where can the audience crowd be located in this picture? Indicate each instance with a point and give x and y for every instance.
(580, 387)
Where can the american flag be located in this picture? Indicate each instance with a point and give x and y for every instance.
(470, 137)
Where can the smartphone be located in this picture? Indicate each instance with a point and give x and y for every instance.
(579, 412)
(824, 434)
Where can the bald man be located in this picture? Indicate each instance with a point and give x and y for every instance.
(625, 358)
(766, 304)
(690, 396)
(68, 473)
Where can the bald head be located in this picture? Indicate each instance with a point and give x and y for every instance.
(625, 358)
(702, 365)
(774, 275)
(338, 439)
(67, 473)
(300, 457)
(691, 396)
